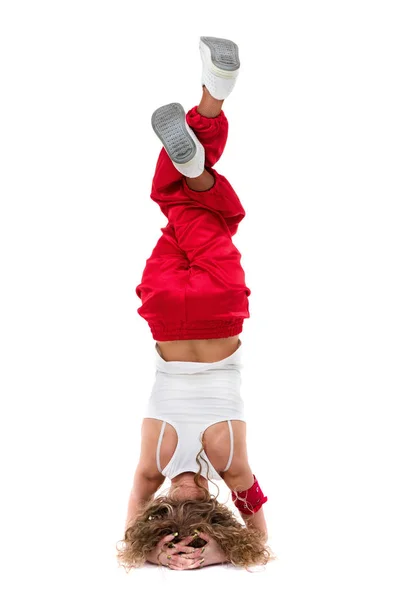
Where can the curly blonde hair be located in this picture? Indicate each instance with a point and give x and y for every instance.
(164, 515)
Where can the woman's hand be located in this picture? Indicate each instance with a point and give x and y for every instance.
(210, 554)
(167, 553)
(181, 557)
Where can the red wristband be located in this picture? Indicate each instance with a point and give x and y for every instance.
(249, 501)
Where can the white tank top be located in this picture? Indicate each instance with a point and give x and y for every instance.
(192, 396)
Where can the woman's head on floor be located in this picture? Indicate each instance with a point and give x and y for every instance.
(184, 509)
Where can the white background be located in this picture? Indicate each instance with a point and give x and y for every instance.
(314, 155)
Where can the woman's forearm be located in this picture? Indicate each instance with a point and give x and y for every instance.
(257, 521)
(142, 491)
(133, 508)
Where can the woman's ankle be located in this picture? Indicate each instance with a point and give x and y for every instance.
(204, 182)
(209, 107)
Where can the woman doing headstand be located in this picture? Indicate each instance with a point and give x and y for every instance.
(194, 298)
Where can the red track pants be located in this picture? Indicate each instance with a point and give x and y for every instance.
(193, 285)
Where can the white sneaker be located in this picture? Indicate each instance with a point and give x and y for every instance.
(220, 66)
(178, 139)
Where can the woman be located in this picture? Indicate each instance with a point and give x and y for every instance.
(195, 299)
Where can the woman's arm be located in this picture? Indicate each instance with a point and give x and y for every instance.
(147, 479)
(240, 479)
(256, 521)
(144, 487)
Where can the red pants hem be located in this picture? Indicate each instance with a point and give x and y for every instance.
(195, 330)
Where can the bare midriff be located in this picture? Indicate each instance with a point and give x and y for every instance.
(198, 350)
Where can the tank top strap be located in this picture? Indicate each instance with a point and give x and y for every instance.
(231, 452)
(160, 437)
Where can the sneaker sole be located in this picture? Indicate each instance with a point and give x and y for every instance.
(169, 124)
(224, 53)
